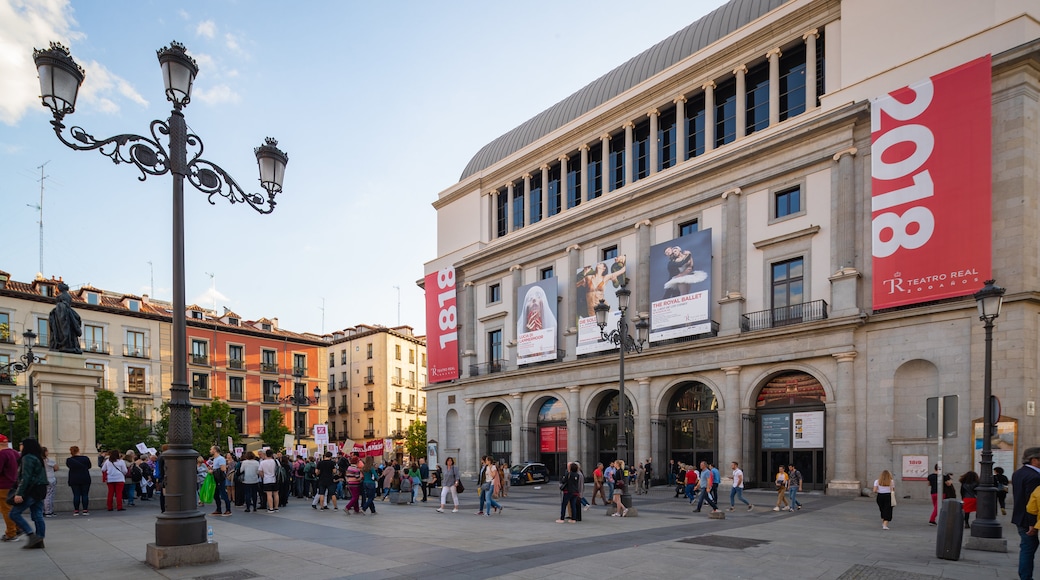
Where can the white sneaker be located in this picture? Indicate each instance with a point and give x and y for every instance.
(454, 511)
(776, 508)
(440, 510)
(884, 527)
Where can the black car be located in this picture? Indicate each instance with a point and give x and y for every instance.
(528, 473)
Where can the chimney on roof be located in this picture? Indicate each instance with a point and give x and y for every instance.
(226, 310)
(274, 323)
(144, 298)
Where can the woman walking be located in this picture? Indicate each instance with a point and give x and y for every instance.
(620, 510)
(79, 481)
(1001, 481)
(250, 470)
(488, 487)
(49, 467)
(354, 485)
(449, 485)
(369, 483)
(781, 481)
(115, 470)
(885, 489)
(30, 491)
(969, 483)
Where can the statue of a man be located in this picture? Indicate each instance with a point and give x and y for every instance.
(64, 324)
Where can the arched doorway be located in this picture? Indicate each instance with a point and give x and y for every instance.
(607, 429)
(499, 435)
(693, 418)
(791, 420)
(552, 435)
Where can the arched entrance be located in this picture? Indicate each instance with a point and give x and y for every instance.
(499, 436)
(552, 435)
(791, 420)
(607, 429)
(693, 420)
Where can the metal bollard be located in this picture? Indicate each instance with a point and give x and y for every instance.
(950, 534)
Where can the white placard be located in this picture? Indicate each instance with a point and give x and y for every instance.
(239, 451)
(287, 441)
(321, 433)
(807, 430)
(142, 448)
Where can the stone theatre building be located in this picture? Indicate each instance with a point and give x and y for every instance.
(802, 197)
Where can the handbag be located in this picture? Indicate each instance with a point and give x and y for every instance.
(10, 495)
(459, 488)
(893, 494)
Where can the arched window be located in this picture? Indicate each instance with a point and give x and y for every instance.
(552, 411)
(789, 389)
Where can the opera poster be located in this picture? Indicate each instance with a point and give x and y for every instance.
(536, 322)
(680, 287)
(600, 281)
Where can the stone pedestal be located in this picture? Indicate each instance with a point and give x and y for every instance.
(65, 395)
(986, 544)
(843, 488)
(844, 288)
(160, 557)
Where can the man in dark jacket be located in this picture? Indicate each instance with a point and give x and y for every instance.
(424, 475)
(1023, 482)
(8, 479)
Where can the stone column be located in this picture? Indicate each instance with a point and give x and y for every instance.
(583, 179)
(680, 129)
(469, 454)
(66, 395)
(467, 326)
(844, 482)
(564, 189)
(845, 279)
(573, 263)
(516, 454)
(604, 142)
(573, 423)
(774, 86)
(641, 291)
(629, 129)
(732, 300)
(496, 196)
(741, 120)
(516, 278)
(528, 202)
(652, 140)
(709, 116)
(810, 68)
(643, 415)
(511, 195)
(545, 190)
(731, 419)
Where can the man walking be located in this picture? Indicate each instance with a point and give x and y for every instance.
(648, 474)
(597, 484)
(324, 470)
(8, 480)
(1023, 482)
(218, 467)
(707, 482)
(794, 485)
(424, 476)
(737, 491)
(608, 479)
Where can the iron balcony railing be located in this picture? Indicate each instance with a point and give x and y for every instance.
(370, 380)
(95, 346)
(200, 359)
(268, 367)
(342, 408)
(343, 384)
(236, 363)
(495, 366)
(398, 407)
(332, 409)
(136, 351)
(199, 393)
(370, 406)
(139, 386)
(370, 433)
(397, 381)
(784, 316)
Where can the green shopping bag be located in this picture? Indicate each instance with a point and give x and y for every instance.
(209, 487)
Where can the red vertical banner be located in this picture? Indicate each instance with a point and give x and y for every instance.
(442, 337)
(561, 439)
(547, 438)
(931, 187)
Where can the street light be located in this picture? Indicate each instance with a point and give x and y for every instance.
(620, 337)
(989, 300)
(22, 366)
(10, 426)
(298, 398)
(219, 424)
(60, 77)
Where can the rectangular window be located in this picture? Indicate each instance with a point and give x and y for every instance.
(299, 364)
(332, 359)
(757, 98)
(271, 391)
(787, 287)
(397, 352)
(7, 378)
(92, 366)
(368, 351)
(535, 203)
(546, 273)
(595, 171)
(135, 346)
(94, 338)
(411, 356)
(553, 190)
(5, 328)
(199, 352)
(573, 181)
(688, 228)
(200, 385)
(641, 150)
(616, 161)
(92, 298)
(494, 346)
(301, 422)
(518, 205)
(236, 357)
(135, 381)
(666, 139)
(501, 213)
(42, 334)
(787, 202)
(266, 416)
(726, 112)
(792, 82)
(370, 377)
(343, 356)
(424, 360)
(238, 420)
(695, 128)
(268, 361)
(609, 253)
(236, 389)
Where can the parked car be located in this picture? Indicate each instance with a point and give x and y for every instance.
(528, 473)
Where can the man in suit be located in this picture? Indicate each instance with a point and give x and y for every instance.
(1023, 482)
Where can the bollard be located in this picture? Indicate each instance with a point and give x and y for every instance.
(950, 534)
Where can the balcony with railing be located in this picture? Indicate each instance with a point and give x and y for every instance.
(410, 384)
(495, 366)
(342, 408)
(397, 381)
(136, 351)
(269, 367)
(370, 433)
(370, 380)
(422, 411)
(370, 406)
(397, 407)
(201, 360)
(95, 346)
(200, 393)
(343, 384)
(411, 409)
(332, 409)
(139, 386)
(397, 435)
(784, 316)
(270, 398)
(6, 336)
(236, 364)
(299, 371)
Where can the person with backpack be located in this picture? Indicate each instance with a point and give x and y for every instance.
(569, 487)
(297, 471)
(310, 478)
(134, 476)
(218, 467)
(793, 487)
(29, 492)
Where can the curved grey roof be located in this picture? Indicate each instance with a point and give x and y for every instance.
(722, 21)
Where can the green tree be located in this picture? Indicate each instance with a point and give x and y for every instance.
(162, 427)
(106, 407)
(204, 427)
(126, 428)
(415, 440)
(274, 430)
(20, 406)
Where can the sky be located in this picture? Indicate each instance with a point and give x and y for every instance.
(379, 105)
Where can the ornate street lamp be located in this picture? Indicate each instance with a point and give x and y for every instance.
(22, 366)
(989, 301)
(60, 77)
(219, 425)
(298, 398)
(10, 426)
(625, 343)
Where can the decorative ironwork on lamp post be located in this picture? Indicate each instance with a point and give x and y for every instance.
(625, 343)
(22, 366)
(60, 78)
(297, 399)
(10, 426)
(989, 301)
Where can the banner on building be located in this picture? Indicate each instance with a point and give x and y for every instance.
(442, 337)
(600, 281)
(680, 287)
(536, 322)
(931, 187)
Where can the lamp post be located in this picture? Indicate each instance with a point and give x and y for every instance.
(297, 399)
(219, 425)
(10, 426)
(625, 343)
(989, 300)
(22, 366)
(60, 78)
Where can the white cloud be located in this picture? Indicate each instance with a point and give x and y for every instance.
(101, 86)
(205, 61)
(232, 43)
(210, 297)
(24, 25)
(206, 28)
(216, 95)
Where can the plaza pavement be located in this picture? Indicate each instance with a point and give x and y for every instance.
(831, 538)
